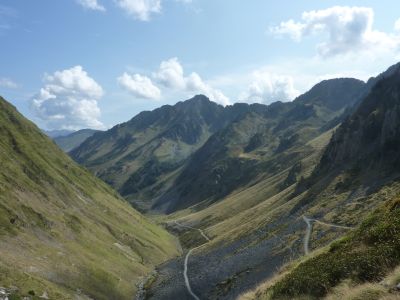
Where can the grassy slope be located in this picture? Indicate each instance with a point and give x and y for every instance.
(364, 255)
(62, 230)
(253, 206)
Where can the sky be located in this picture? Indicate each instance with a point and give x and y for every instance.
(72, 64)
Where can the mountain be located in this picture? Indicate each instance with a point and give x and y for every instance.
(364, 150)
(74, 139)
(195, 151)
(57, 133)
(358, 169)
(260, 142)
(142, 157)
(64, 233)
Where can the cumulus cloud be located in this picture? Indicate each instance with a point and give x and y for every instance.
(8, 83)
(69, 100)
(195, 84)
(349, 29)
(267, 88)
(140, 86)
(140, 9)
(171, 75)
(91, 4)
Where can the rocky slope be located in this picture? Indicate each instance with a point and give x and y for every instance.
(64, 233)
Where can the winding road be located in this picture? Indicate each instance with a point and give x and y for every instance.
(307, 237)
(185, 266)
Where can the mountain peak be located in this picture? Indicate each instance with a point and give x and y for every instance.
(200, 97)
(196, 101)
(335, 94)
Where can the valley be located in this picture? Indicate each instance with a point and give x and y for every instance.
(249, 191)
(199, 150)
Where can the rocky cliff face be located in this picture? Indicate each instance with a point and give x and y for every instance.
(364, 150)
(371, 135)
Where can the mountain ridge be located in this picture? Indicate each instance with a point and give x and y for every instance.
(154, 148)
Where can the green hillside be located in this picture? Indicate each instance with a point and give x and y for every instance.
(62, 231)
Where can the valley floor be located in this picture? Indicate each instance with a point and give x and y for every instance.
(222, 271)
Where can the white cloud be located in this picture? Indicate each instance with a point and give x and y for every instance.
(195, 84)
(69, 100)
(140, 9)
(91, 4)
(8, 83)
(349, 29)
(140, 86)
(267, 88)
(170, 74)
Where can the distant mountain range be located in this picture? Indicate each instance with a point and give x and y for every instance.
(57, 133)
(72, 140)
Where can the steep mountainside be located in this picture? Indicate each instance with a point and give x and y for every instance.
(364, 150)
(73, 140)
(142, 157)
(65, 234)
(195, 151)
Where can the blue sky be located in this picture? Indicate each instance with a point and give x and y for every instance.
(94, 63)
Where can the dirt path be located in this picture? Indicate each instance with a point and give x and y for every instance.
(306, 241)
(185, 265)
(199, 230)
